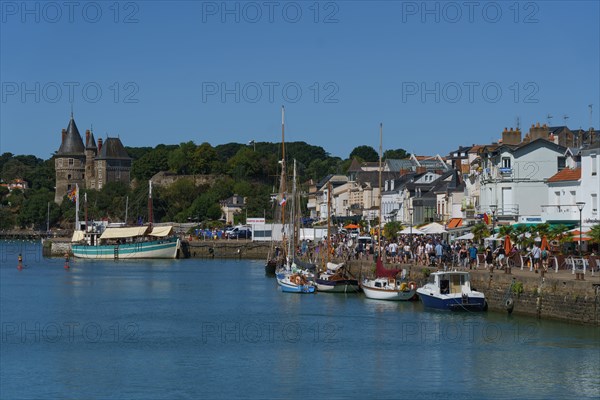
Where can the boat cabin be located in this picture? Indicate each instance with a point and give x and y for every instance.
(451, 282)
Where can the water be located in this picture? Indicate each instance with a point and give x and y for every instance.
(221, 329)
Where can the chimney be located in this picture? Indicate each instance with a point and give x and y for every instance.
(512, 137)
(99, 145)
(64, 134)
(537, 131)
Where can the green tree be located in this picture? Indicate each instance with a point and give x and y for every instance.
(204, 159)
(480, 231)
(150, 164)
(364, 153)
(391, 229)
(181, 159)
(397, 154)
(594, 233)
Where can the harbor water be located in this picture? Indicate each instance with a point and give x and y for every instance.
(162, 329)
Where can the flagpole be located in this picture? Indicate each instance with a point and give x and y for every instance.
(77, 227)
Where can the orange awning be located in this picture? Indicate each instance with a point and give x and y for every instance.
(454, 223)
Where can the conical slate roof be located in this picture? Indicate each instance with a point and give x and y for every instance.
(72, 143)
(90, 142)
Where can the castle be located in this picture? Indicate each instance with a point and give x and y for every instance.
(90, 166)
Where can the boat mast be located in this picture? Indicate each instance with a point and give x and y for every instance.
(379, 195)
(282, 180)
(150, 202)
(126, 209)
(85, 207)
(328, 220)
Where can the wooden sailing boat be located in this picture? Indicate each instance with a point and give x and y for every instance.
(291, 278)
(386, 286)
(277, 256)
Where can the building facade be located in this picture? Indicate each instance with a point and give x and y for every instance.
(90, 166)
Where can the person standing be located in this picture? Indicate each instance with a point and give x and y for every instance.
(489, 257)
(536, 253)
(473, 255)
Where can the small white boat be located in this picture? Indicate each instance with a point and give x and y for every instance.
(388, 289)
(451, 290)
(294, 283)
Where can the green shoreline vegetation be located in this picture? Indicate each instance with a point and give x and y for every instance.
(245, 170)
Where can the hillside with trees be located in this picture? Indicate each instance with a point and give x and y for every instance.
(249, 171)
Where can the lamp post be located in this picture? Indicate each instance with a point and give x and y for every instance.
(580, 205)
(493, 207)
(410, 212)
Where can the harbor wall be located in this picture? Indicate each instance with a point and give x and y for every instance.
(553, 296)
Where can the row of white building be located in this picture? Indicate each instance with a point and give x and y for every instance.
(539, 178)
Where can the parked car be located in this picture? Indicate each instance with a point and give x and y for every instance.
(240, 232)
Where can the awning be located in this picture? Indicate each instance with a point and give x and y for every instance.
(77, 236)
(432, 228)
(454, 223)
(161, 231)
(466, 236)
(121, 233)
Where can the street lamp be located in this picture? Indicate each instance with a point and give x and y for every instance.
(410, 212)
(493, 207)
(580, 205)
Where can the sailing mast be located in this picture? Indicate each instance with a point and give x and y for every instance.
(328, 221)
(379, 195)
(282, 181)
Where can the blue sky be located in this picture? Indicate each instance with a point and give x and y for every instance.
(437, 74)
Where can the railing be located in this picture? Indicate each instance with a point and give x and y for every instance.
(505, 210)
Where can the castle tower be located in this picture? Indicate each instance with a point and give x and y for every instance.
(112, 164)
(69, 162)
(90, 154)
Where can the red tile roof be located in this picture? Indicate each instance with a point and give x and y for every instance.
(566, 174)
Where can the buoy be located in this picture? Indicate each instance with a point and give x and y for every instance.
(20, 264)
(67, 261)
(509, 304)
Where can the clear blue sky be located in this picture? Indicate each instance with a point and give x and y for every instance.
(371, 62)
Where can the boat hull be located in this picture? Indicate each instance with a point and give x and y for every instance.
(340, 286)
(270, 267)
(388, 294)
(293, 288)
(167, 248)
(454, 302)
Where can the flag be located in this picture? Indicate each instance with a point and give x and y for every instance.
(283, 201)
(72, 194)
(486, 219)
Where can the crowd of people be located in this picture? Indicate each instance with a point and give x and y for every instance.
(426, 250)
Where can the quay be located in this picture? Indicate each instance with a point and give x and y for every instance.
(555, 295)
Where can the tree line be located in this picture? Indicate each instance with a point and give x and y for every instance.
(250, 171)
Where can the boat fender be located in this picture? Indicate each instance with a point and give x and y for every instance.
(403, 286)
(509, 304)
(412, 285)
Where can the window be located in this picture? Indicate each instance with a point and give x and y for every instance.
(594, 203)
(69, 176)
(594, 165)
(561, 163)
(505, 162)
(71, 162)
(60, 162)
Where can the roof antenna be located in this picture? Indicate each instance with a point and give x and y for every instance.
(71, 110)
(591, 123)
(549, 118)
(565, 117)
(518, 122)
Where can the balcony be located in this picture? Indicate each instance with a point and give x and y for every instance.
(560, 213)
(506, 210)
